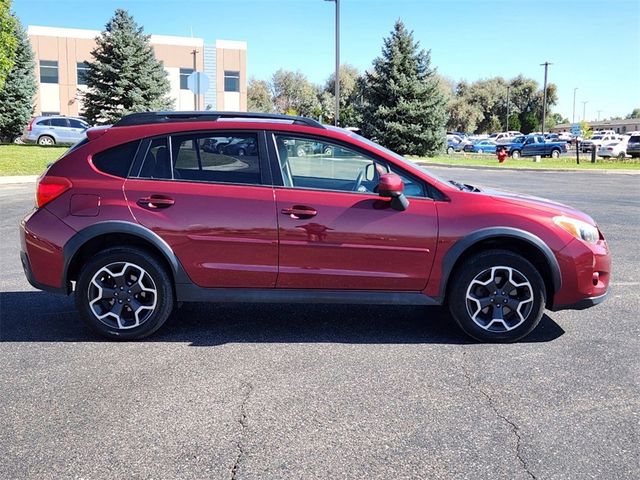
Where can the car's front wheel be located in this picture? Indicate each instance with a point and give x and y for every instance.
(124, 294)
(497, 296)
(449, 150)
(515, 154)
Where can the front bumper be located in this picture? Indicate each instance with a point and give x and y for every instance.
(581, 304)
(585, 271)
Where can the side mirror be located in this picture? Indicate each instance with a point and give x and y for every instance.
(391, 186)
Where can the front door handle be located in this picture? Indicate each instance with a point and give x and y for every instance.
(155, 202)
(299, 212)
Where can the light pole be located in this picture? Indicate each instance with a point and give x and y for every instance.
(337, 80)
(584, 110)
(573, 119)
(599, 114)
(544, 98)
(194, 52)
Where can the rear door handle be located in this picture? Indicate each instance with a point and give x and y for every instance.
(155, 202)
(299, 212)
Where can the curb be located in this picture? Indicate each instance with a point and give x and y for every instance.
(525, 169)
(10, 180)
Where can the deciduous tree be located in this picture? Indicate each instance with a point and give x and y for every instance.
(8, 40)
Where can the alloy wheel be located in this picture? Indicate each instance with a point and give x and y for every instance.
(122, 295)
(499, 299)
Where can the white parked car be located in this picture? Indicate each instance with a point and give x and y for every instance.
(597, 141)
(614, 149)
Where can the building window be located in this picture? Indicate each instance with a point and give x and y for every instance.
(48, 71)
(231, 81)
(82, 68)
(184, 73)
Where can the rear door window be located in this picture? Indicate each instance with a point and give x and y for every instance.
(217, 157)
(59, 122)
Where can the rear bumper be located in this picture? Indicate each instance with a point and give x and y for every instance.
(26, 266)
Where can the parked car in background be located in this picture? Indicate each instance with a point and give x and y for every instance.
(481, 146)
(503, 137)
(633, 146)
(614, 149)
(596, 141)
(532, 145)
(241, 147)
(54, 130)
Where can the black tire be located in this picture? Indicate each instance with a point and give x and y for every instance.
(46, 140)
(498, 265)
(555, 153)
(301, 152)
(515, 154)
(153, 308)
(449, 150)
(328, 151)
(241, 152)
(621, 156)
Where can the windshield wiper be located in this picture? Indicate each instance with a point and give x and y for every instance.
(464, 186)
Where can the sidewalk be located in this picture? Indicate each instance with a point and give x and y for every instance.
(9, 180)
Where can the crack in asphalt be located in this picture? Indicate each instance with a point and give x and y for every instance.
(242, 421)
(514, 428)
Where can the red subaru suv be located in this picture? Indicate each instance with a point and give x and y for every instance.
(170, 207)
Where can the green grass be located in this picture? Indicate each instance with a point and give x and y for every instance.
(490, 160)
(33, 159)
(27, 159)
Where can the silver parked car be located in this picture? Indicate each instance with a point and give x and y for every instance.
(53, 130)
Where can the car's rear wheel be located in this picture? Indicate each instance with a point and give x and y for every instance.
(46, 140)
(124, 294)
(300, 152)
(555, 153)
(497, 296)
(241, 152)
(515, 154)
(328, 151)
(621, 156)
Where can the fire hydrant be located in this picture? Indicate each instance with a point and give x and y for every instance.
(502, 154)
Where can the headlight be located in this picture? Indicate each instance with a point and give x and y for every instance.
(578, 228)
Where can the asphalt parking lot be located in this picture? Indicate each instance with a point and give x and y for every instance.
(276, 391)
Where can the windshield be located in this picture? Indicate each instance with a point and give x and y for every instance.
(393, 154)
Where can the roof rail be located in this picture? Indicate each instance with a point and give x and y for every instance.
(146, 118)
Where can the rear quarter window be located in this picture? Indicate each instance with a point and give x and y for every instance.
(117, 160)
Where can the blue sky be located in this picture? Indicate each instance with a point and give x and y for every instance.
(593, 45)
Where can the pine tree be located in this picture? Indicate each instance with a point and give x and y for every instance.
(404, 107)
(125, 76)
(16, 96)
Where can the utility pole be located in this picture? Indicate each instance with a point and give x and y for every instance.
(337, 82)
(194, 52)
(573, 119)
(584, 110)
(507, 129)
(544, 101)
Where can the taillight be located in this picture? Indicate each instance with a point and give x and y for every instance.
(30, 125)
(50, 188)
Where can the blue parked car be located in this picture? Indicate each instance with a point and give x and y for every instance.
(481, 146)
(53, 130)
